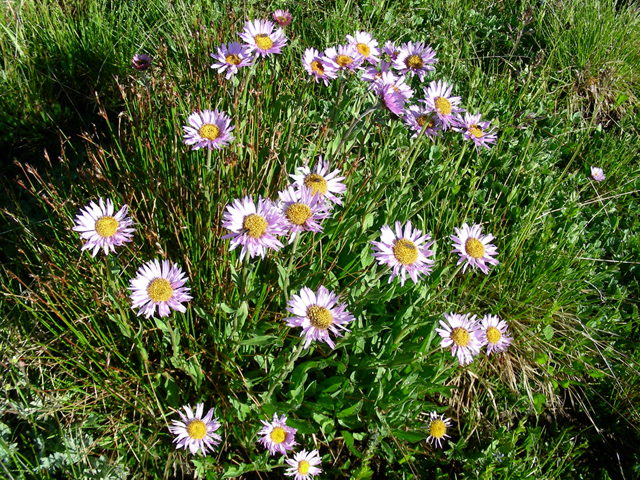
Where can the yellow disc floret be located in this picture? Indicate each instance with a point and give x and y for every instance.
(414, 62)
(159, 290)
(298, 213)
(460, 336)
(405, 251)
(443, 106)
(263, 41)
(438, 429)
(493, 335)
(317, 67)
(303, 467)
(343, 60)
(474, 248)
(278, 435)
(363, 49)
(197, 429)
(106, 226)
(255, 225)
(208, 131)
(319, 317)
(475, 130)
(316, 183)
(233, 59)
(426, 119)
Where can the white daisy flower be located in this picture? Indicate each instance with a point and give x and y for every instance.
(438, 99)
(366, 45)
(329, 185)
(195, 432)
(302, 210)
(462, 334)
(494, 334)
(303, 465)
(231, 58)
(277, 436)
(437, 426)
(597, 174)
(261, 38)
(474, 248)
(99, 226)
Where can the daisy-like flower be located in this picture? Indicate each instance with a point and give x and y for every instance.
(209, 128)
(462, 334)
(366, 45)
(261, 38)
(317, 65)
(345, 57)
(141, 61)
(406, 250)
(476, 131)
(253, 227)
(303, 465)
(371, 74)
(282, 17)
(231, 58)
(597, 174)
(393, 92)
(318, 315)
(439, 100)
(277, 436)
(302, 210)
(390, 49)
(194, 431)
(99, 226)
(161, 286)
(417, 118)
(474, 248)
(415, 59)
(437, 426)
(327, 184)
(494, 334)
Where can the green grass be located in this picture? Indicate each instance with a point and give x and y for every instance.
(90, 388)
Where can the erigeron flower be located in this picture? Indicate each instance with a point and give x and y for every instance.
(282, 17)
(474, 248)
(302, 210)
(328, 184)
(261, 38)
(253, 227)
(461, 332)
(303, 465)
(417, 118)
(494, 334)
(437, 426)
(318, 314)
(439, 99)
(319, 66)
(277, 436)
(159, 285)
(209, 128)
(393, 92)
(366, 46)
(391, 49)
(405, 251)
(344, 57)
(415, 59)
(231, 58)
(597, 174)
(475, 130)
(101, 228)
(371, 74)
(194, 431)
(141, 61)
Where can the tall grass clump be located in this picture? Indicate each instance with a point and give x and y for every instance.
(341, 269)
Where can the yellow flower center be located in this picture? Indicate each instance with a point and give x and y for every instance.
(106, 226)
(197, 429)
(460, 336)
(438, 429)
(405, 251)
(282, 20)
(255, 225)
(316, 183)
(428, 119)
(159, 290)
(278, 435)
(475, 130)
(443, 106)
(474, 248)
(363, 49)
(317, 67)
(263, 41)
(303, 467)
(208, 131)
(493, 335)
(298, 213)
(319, 317)
(414, 62)
(343, 60)
(233, 59)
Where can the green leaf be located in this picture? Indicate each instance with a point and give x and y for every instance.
(348, 440)
(412, 437)
(548, 332)
(352, 410)
(541, 358)
(262, 340)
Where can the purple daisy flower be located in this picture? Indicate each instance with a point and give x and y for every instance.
(303, 465)
(282, 17)
(141, 61)
(366, 46)
(255, 228)
(437, 426)
(406, 250)
(318, 315)
(344, 57)
(597, 174)
(371, 74)
(210, 129)
(417, 118)
(261, 39)
(195, 432)
(318, 66)
(391, 49)
(474, 248)
(462, 333)
(328, 184)
(231, 58)
(393, 92)
(277, 436)
(439, 100)
(494, 334)
(302, 210)
(161, 286)
(101, 228)
(415, 59)
(476, 131)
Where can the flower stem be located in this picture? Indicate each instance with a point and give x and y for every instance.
(286, 368)
(285, 281)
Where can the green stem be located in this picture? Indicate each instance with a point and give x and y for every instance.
(413, 153)
(285, 281)
(113, 288)
(286, 368)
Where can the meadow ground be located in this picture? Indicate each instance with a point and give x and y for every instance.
(94, 375)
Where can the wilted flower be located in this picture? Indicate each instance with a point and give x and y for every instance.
(195, 432)
(141, 61)
(210, 129)
(99, 226)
